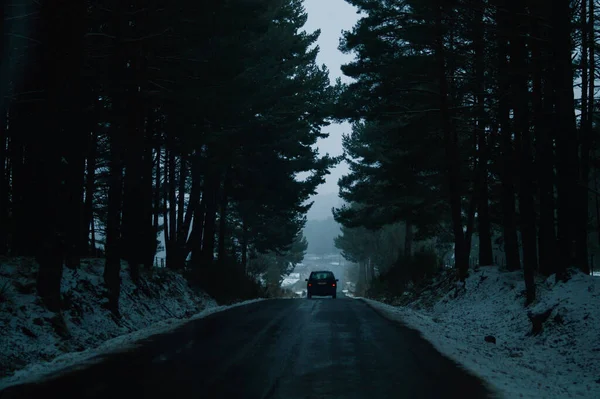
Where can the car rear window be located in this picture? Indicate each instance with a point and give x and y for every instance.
(321, 276)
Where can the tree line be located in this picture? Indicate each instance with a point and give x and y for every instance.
(126, 119)
(466, 124)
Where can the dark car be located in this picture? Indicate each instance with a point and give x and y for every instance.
(321, 283)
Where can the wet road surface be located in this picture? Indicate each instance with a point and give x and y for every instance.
(284, 349)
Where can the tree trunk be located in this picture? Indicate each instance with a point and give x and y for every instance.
(183, 235)
(133, 208)
(520, 98)
(172, 197)
(368, 274)
(211, 191)
(112, 267)
(23, 124)
(50, 239)
(483, 208)
(137, 198)
(60, 51)
(585, 137)
(183, 166)
(224, 200)
(451, 146)
(113, 245)
(486, 253)
(15, 157)
(76, 240)
(244, 247)
(157, 190)
(4, 187)
(509, 223)
(196, 237)
(172, 261)
(90, 189)
(543, 105)
(592, 66)
(49, 242)
(165, 205)
(408, 239)
(566, 139)
(584, 68)
(74, 102)
(591, 104)
(93, 252)
(62, 28)
(361, 284)
(148, 234)
(4, 183)
(180, 240)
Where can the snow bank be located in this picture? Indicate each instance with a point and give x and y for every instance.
(289, 281)
(72, 361)
(36, 342)
(561, 362)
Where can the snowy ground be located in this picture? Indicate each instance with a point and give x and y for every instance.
(290, 280)
(36, 342)
(561, 362)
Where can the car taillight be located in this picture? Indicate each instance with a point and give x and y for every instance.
(333, 285)
(309, 284)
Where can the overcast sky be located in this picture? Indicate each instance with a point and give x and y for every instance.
(331, 17)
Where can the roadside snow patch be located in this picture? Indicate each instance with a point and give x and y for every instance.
(289, 281)
(36, 342)
(78, 360)
(561, 362)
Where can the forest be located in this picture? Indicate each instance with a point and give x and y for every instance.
(473, 120)
(163, 175)
(125, 120)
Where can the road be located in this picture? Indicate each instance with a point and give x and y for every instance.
(287, 348)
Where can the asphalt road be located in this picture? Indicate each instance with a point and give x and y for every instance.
(288, 349)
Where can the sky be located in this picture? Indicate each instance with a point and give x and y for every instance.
(331, 17)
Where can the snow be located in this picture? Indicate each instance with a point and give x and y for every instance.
(288, 281)
(36, 342)
(561, 362)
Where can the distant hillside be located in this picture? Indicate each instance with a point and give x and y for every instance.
(323, 203)
(320, 235)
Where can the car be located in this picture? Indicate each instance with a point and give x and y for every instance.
(321, 283)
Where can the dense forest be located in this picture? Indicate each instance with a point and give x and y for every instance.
(123, 120)
(473, 126)
(473, 118)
